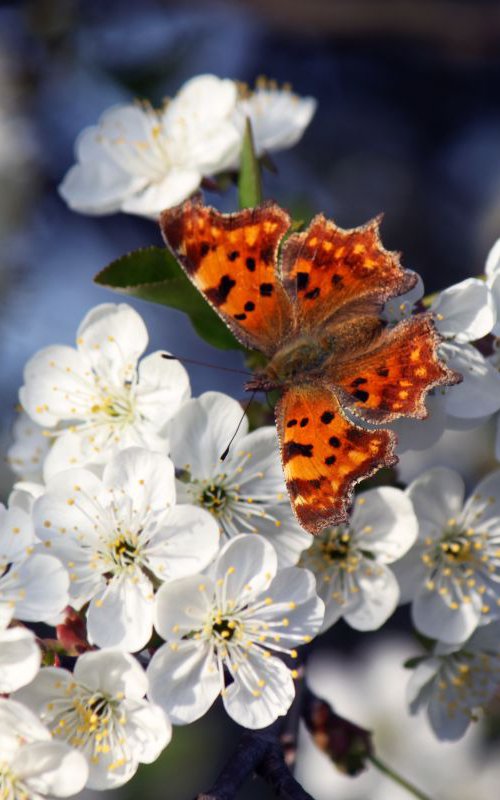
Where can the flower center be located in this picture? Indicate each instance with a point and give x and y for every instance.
(225, 628)
(124, 552)
(11, 787)
(456, 549)
(118, 408)
(336, 547)
(214, 498)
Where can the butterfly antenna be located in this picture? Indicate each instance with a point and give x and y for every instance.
(183, 360)
(226, 451)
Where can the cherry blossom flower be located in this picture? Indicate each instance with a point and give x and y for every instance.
(452, 574)
(278, 116)
(454, 685)
(236, 619)
(349, 561)
(31, 764)
(100, 710)
(96, 399)
(370, 689)
(141, 160)
(120, 537)
(33, 585)
(246, 492)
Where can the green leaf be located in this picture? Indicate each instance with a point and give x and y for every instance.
(249, 179)
(153, 274)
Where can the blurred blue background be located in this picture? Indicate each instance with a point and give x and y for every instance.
(408, 123)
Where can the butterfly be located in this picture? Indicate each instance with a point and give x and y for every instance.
(311, 302)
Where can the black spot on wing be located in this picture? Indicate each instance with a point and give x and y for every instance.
(327, 417)
(250, 264)
(361, 395)
(266, 289)
(292, 449)
(233, 255)
(219, 294)
(302, 281)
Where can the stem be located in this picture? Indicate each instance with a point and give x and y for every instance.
(394, 776)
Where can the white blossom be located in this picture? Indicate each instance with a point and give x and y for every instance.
(452, 573)
(455, 685)
(235, 619)
(246, 492)
(100, 710)
(121, 535)
(97, 399)
(350, 561)
(33, 766)
(369, 688)
(278, 116)
(141, 160)
(33, 585)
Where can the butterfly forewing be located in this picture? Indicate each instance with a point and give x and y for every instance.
(231, 259)
(324, 454)
(330, 271)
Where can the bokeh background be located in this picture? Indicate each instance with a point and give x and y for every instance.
(408, 123)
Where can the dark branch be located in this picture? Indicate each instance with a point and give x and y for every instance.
(274, 770)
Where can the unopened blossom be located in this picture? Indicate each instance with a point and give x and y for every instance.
(100, 710)
(350, 561)
(32, 765)
(120, 537)
(98, 398)
(33, 585)
(20, 658)
(238, 619)
(246, 492)
(457, 685)
(141, 160)
(277, 115)
(452, 573)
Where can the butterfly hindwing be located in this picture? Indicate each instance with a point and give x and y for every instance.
(231, 259)
(328, 270)
(393, 379)
(324, 454)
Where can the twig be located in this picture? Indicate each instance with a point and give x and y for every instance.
(273, 768)
(290, 729)
(397, 778)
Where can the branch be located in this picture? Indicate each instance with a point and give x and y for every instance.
(260, 752)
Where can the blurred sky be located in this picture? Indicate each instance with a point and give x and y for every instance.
(408, 123)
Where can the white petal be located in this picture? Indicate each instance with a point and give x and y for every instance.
(184, 681)
(113, 336)
(201, 431)
(433, 617)
(71, 506)
(20, 658)
(113, 672)
(186, 542)
(146, 478)
(419, 434)
(420, 684)
(296, 612)
(246, 565)
(479, 393)
(66, 453)
(263, 690)
(162, 390)
(182, 606)
(377, 599)
(40, 584)
(465, 311)
(447, 724)
(17, 534)
(176, 186)
(410, 573)
(264, 473)
(385, 523)
(285, 534)
(122, 614)
(483, 506)
(437, 495)
(494, 284)
(51, 768)
(147, 728)
(492, 265)
(278, 118)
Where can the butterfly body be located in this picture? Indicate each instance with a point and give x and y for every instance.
(311, 303)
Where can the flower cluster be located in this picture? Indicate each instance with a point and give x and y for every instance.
(141, 160)
(173, 577)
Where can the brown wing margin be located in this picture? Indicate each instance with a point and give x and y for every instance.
(324, 455)
(232, 260)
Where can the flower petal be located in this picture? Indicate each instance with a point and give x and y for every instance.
(262, 691)
(465, 311)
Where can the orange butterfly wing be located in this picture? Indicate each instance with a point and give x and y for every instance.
(393, 378)
(331, 272)
(231, 259)
(324, 454)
